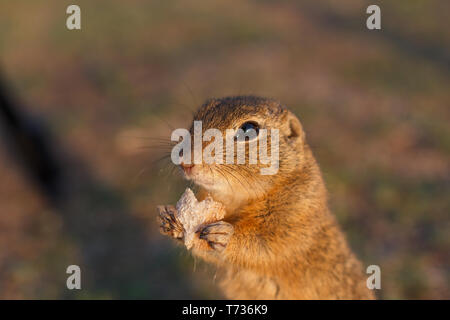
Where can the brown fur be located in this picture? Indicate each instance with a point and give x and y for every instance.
(278, 239)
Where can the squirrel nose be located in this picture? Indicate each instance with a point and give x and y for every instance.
(186, 167)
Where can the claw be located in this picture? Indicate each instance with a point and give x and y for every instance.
(168, 223)
(216, 234)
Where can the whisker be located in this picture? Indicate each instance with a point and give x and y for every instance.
(224, 176)
(194, 98)
(148, 138)
(164, 121)
(140, 173)
(230, 171)
(249, 179)
(165, 147)
(164, 157)
(250, 175)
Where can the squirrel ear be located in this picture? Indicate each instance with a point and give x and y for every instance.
(294, 129)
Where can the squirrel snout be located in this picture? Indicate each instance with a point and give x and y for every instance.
(186, 167)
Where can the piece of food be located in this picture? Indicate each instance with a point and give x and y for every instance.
(192, 213)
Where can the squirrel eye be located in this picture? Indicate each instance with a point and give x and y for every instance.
(247, 131)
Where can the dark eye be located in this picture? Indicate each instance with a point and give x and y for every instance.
(247, 131)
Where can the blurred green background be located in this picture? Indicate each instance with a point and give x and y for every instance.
(374, 104)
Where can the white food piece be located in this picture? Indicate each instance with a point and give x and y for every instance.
(191, 214)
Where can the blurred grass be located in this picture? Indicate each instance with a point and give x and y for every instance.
(375, 106)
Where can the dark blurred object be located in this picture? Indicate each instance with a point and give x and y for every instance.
(31, 145)
(120, 259)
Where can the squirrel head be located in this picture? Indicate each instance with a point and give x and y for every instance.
(244, 127)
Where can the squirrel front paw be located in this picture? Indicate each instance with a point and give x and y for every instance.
(168, 223)
(216, 234)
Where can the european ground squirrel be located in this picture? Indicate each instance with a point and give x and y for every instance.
(277, 239)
